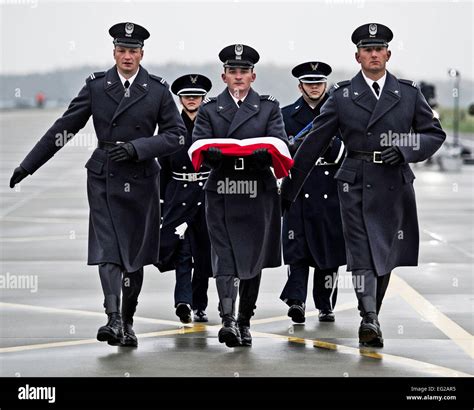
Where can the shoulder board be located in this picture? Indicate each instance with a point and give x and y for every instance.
(209, 99)
(95, 75)
(268, 97)
(409, 82)
(341, 84)
(159, 79)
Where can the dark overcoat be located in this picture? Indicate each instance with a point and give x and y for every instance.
(124, 196)
(377, 200)
(244, 229)
(183, 202)
(312, 228)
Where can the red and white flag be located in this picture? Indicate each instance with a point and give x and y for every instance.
(281, 158)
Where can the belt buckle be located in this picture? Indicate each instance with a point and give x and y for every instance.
(193, 177)
(374, 159)
(240, 166)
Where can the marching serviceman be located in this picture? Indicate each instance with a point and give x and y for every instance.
(312, 228)
(241, 135)
(184, 244)
(385, 123)
(126, 104)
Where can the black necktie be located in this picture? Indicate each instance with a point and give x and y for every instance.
(126, 84)
(239, 103)
(376, 87)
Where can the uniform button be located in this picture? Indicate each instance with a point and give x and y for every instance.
(325, 196)
(137, 127)
(114, 124)
(184, 166)
(200, 184)
(184, 204)
(369, 134)
(111, 174)
(185, 185)
(368, 186)
(199, 203)
(326, 172)
(306, 195)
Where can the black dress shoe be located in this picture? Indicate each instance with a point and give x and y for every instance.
(377, 342)
(245, 335)
(112, 332)
(296, 312)
(129, 337)
(229, 333)
(326, 316)
(183, 311)
(369, 330)
(200, 316)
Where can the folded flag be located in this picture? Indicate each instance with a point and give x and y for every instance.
(281, 158)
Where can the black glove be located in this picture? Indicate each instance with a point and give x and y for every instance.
(392, 156)
(123, 152)
(262, 158)
(212, 157)
(19, 174)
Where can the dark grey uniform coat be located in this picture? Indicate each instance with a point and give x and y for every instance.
(378, 205)
(312, 228)
(244, 231)
(123, 197)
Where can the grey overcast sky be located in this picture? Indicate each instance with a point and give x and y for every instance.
(429, 36)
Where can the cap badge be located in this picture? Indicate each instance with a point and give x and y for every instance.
(239, 49)
(193, 79)
(373, 29)
(129, 27)
(314, 67)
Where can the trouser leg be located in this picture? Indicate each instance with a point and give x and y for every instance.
(131, 286)
(227, 287)
(296, 287)
(325, 289)
(183, 288)
(382, 285)
(200, 285)
(111, 280)
(248, 292)
(365, 286)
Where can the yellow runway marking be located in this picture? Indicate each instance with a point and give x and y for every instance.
(389, 358)
(428, 311)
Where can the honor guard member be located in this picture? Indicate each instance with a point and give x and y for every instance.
(244, 228)
(184, 244)
(312, 228)
(126, 104)
(386, 124)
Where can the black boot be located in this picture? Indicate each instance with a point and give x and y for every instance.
(370, 334)
(243, 324)
(183, 311)
(296, 311)
(229, 333)
(128, 310)
(112, 332)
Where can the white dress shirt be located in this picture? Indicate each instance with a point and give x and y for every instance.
(236, 100)
(130, 80)
(380, 82)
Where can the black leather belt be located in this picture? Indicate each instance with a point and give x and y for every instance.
(238, 163)
(368, 156)
(108, 145)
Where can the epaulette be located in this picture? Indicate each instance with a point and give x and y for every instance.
(409, 82)
(209, 99)
(268, 97)
(95, 75)
(340, 84)
(162, 81)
